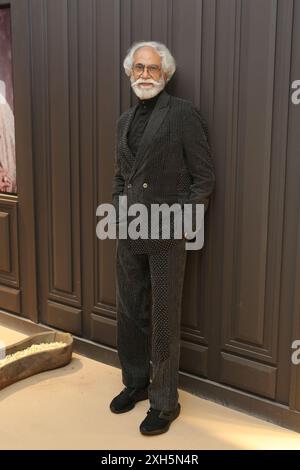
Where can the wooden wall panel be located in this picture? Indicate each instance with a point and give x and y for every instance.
(248, 327)
(290, 289)
(9, 251)
(10, 293)
(56, 128)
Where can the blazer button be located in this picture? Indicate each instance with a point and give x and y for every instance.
(129, 185)
(145, 185)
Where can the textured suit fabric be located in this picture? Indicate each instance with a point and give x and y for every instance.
(173, 163)
(148, 327)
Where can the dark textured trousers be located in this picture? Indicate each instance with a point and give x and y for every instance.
(149, 301)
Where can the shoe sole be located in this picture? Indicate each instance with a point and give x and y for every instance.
(128, 408)
(155, 432)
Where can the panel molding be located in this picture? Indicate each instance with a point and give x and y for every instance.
(248, 375)
(10, 299)
(63, 152)
(64, 317)
(246, 180)
(9, 248)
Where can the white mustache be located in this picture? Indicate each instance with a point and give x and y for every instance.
(144, 92)
(141, 80)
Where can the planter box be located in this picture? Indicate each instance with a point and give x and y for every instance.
(39, 361)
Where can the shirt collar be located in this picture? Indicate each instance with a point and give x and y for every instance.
(150, 102)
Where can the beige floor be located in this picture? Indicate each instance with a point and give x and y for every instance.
(68, 409)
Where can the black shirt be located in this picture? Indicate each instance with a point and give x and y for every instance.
(140, 121)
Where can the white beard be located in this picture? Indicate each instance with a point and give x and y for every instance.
(145, 93)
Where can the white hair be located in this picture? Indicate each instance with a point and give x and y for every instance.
(167, 60)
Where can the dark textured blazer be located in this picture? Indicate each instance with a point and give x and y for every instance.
(173, 162)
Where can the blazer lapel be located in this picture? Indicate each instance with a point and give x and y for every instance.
(156, 119)
(124, 139)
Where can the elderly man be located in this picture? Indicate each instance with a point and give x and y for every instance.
(162, 156)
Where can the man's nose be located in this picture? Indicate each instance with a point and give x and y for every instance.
(145, 73)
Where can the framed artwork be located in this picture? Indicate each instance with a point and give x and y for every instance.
(8, 178)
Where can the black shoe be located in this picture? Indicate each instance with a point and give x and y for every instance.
(157, 421)
(127, 399)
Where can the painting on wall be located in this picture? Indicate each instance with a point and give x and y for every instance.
(8, 179)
